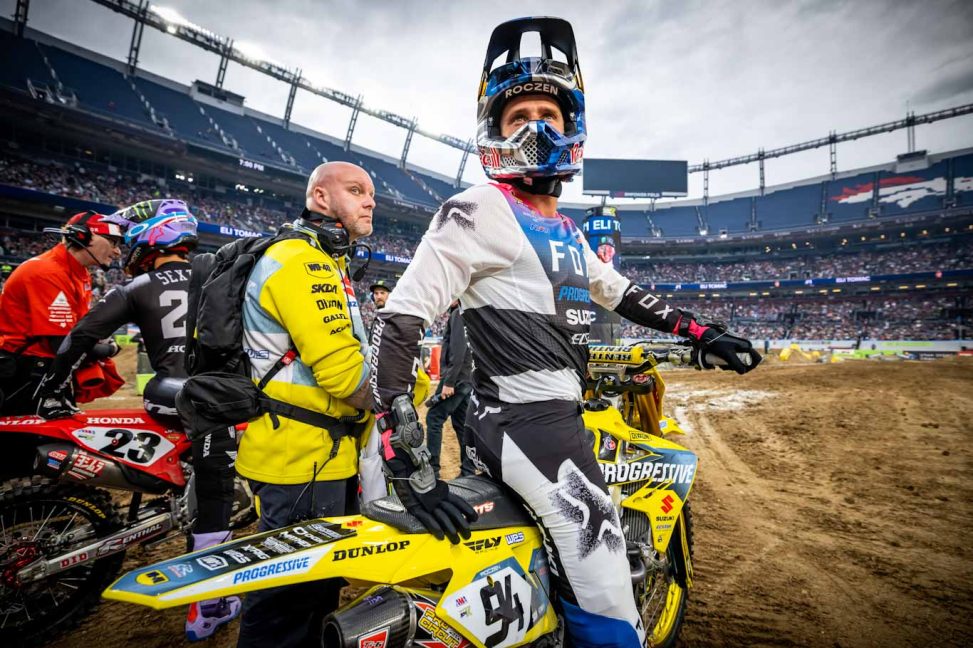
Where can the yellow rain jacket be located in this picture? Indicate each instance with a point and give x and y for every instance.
(298, 294)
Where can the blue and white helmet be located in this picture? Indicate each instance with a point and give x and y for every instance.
(536, 149)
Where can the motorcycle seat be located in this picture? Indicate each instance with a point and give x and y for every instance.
(496, 506)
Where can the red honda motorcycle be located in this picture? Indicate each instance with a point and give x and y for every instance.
(65, 523)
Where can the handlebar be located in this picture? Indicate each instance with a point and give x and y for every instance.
(716, 361)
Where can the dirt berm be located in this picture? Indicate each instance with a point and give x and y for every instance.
(832, 505)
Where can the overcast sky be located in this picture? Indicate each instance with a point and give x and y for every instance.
(680, 79)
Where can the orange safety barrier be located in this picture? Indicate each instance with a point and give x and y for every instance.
(433, 370)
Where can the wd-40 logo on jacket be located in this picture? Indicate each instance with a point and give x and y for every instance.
(319, 269)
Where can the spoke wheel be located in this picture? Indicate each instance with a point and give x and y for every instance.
(40, 519)
(662, 595)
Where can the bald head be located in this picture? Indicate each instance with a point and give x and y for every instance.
(345, 192)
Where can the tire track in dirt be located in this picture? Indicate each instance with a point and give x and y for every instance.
(801, 500)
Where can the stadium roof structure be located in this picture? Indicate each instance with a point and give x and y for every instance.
(169, 21)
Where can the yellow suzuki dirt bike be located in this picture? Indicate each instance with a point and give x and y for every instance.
(493, 589)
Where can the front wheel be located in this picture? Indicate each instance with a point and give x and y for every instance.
(40, 519)
(662, 595)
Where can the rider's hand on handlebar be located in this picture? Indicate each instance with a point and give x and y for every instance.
(55, 404)
(714, 339)
(440, 511)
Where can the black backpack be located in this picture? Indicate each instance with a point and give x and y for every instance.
(219, 391)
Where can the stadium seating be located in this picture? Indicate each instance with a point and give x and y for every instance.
(788, 207)
(733, 216)
(183, 115)
(963, 179)
(244, 130)
(675, 221)
(850, 199)
(29, 62)
(442, 189)
(98, 87)
(922, 190)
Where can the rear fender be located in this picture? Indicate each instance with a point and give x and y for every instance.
(129, 437)
(355, 548)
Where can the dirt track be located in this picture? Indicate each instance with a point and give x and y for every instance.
(834, 507)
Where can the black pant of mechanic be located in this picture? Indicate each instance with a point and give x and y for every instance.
(454, 408)
(290, 616)
(213, 455)
(19, 377)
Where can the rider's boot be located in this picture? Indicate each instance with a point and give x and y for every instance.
(205, 617)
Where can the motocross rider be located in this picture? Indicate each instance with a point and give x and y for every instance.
(160, 235)
(526, 277)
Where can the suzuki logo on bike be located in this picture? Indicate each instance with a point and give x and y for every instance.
(667, 503)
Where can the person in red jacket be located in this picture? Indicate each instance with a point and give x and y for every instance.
(43, 299)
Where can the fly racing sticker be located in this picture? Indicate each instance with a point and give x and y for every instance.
(483, 544)
(591, 509)
(458, 211)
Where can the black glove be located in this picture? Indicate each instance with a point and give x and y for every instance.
(713, 339)
(52, 404)
(105, 349)
(406, 461)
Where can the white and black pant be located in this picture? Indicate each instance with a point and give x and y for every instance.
(541, 451)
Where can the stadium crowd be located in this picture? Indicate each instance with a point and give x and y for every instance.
(833, 318)
(768, 318)
(898, 260)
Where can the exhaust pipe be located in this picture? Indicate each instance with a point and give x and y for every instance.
(72, 464)
(383, 616)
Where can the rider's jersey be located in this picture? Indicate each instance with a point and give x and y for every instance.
(156, 301)
(526, 284)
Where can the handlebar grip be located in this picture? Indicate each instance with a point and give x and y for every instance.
(716, 361)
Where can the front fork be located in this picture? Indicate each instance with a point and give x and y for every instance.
(682, 562)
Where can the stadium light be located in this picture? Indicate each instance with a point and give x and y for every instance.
(251, 51)
(170, 15)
